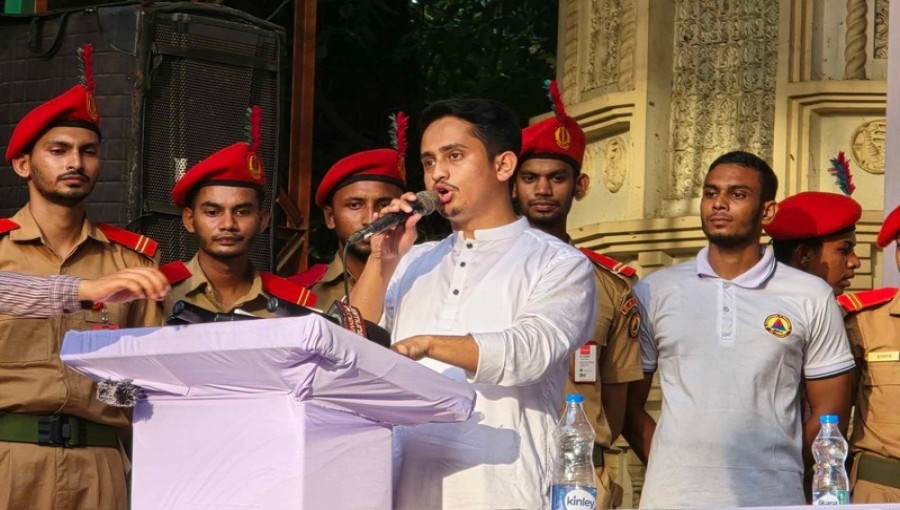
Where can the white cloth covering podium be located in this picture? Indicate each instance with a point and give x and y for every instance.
(268, 414)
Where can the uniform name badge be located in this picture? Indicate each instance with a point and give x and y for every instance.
(882, 356)
(586, 363)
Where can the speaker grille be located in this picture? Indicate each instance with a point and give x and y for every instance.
(196, 105)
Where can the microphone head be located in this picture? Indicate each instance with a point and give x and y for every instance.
(426, 202)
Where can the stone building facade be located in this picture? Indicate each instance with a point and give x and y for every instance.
(662, 87)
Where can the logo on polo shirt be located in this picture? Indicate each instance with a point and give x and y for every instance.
(778, 325)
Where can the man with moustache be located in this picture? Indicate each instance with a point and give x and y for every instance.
(484, 306)
(222, 204)
(873, 323)
(815, 232)
(548, 180)
(735, 334)
(353, 190)
(59, 444)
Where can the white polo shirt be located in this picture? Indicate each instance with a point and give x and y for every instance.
(528, 300)
(731, 356)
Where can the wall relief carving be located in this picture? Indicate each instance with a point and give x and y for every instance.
(615, 163)
(724, 60)
(602, 57)
(868, 145)
(881, 29)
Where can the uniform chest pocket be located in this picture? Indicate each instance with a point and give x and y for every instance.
(882, 373)
(24, 340)
(882, 384)
(114, 315)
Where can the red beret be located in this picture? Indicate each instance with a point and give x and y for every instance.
(812, 214)
(890, 229)
(559, 137)
(235, 165)
(75, 105)
(386, 165)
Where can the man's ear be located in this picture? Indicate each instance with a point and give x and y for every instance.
(801, 257)
(328, 212)
(187, 219)
(582, 185)
(264, 218)
(505, 165)
(22, 166)
(769, 209)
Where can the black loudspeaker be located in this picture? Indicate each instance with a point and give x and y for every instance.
(173, 83)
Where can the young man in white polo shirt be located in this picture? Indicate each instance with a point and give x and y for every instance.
(497, 304)
(734, 335)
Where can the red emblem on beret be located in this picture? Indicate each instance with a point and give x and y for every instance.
(559, 137)
(812, 214)
(75, 104)
(890, 229)
(386, 165)
(238, 164)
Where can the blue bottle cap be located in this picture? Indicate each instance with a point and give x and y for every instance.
(828, 418)
(575, 398)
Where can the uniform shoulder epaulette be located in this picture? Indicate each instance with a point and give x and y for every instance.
(866, 299)
(310, 277)
(282, 288)
(7, 225)
(132, 240)
(610, 264)
(175, 272)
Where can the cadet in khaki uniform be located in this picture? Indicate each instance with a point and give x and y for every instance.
(221, 199)
(356, 187)
(873, 325)
(59, 445)
(547, 180)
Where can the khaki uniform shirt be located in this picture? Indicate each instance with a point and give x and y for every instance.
(197, 290)
(619, 351)
(32, 376)
(331, 287)
(875, 337)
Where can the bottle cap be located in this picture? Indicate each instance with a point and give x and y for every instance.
(828, 418)
(575, 398)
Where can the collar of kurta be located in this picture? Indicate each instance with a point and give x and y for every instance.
(30, 231)
(198, 281)
(507, 231)
(753, 278)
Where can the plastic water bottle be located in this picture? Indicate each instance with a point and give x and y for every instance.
(573, 486)
(830, 483)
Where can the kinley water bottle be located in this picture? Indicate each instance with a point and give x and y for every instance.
(573, 486)
(830, 484)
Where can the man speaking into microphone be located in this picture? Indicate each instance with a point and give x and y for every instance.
(496, 304)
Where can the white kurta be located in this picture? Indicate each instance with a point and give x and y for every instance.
(732, 355)
(528, 300)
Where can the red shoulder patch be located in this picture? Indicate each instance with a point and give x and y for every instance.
(310, 277)
(7, 225)
(175, 272)
(282, 288)
(132, 240)
(610, 264)
(857, 301)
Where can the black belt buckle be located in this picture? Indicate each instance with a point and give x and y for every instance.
(61, 430)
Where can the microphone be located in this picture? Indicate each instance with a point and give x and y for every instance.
(426, 203)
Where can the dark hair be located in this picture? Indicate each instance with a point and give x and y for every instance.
(784, 248)
(493, 122)
(767, 179)
(191, 197)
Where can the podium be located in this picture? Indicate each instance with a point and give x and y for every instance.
(292, 413)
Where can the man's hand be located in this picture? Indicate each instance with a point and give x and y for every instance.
(396, 242)
(125, 285)
(459, 351)
(414, 347)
